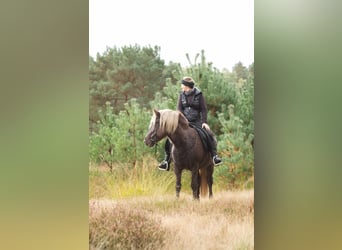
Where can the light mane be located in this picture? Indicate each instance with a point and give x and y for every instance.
(169, 120)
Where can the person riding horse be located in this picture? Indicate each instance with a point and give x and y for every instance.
(192, 104)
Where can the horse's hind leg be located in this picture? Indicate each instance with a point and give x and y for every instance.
(199, 185)
(195, 180)
(210, 181)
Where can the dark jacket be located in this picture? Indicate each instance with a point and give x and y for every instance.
(193, 106)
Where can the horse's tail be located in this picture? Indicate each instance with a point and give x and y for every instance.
(204, 182)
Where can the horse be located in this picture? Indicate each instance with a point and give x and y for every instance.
(188, 151)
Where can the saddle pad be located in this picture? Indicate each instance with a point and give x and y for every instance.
(205, 137)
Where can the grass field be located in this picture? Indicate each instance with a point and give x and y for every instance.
(142, 212)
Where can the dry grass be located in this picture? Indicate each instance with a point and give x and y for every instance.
(114, 226)
(224, 222)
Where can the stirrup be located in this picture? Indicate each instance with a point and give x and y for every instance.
(219, 160)
(165, 166)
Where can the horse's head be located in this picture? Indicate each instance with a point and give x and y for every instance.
(154, 133)
(163, 123)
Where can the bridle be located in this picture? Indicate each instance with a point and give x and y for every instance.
(154, 134)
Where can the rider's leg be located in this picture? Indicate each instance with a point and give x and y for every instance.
(213, 150)
(165, 164)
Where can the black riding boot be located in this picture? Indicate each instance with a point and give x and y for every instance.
(216, 159)
(165, 164)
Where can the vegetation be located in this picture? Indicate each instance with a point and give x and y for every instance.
(162, 222)
(132, 205)
(116, 227)
(127, 83)
(124, 182)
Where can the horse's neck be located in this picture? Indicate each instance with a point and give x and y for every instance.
(180, 136)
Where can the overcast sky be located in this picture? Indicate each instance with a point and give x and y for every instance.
(224, 29)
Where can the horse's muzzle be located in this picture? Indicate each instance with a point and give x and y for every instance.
(149, 142)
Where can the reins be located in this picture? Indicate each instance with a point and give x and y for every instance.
(156, 127)
(155, 149)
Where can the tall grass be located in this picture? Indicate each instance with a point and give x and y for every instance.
(126, 181)
(164, 222)
(134, 207)
(117, 226)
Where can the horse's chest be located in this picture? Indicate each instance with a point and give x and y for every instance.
(187, 154)
(184, 160)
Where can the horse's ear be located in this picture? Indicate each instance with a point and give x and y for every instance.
(156, 112)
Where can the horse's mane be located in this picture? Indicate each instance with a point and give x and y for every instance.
(169, 120)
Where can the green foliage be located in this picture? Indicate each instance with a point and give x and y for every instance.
(236, 148)
(167, 99)
(214, 85)
(101, 143)
(241, 72)
(118, 75)
(245, 104)
(120, 136)
(130, 82)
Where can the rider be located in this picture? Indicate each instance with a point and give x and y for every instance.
(192, 104)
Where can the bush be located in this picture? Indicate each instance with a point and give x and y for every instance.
(236, 148)
(118, 227)
(120, 136)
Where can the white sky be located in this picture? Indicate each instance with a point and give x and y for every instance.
(224, 29)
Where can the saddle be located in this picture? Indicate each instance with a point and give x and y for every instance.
(203, 134)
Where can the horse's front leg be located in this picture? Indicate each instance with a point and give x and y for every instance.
(178, 174)
(195, 181)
